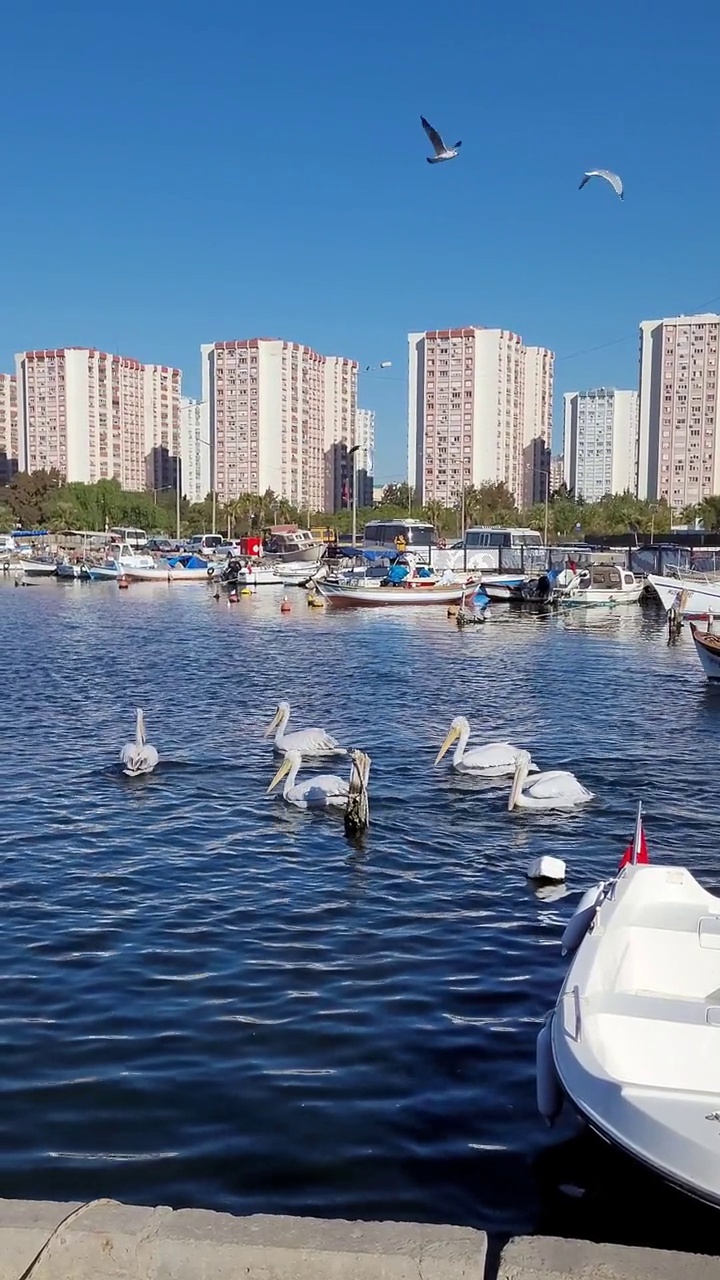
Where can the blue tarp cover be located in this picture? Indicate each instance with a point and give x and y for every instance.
(187, 562)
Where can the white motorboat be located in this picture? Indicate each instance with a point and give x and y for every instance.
(693, 598)
(40, 568)
(634, 1039)
(502, 586)
(604, 584)
(256, 576)
(707, 646)
(369, 593)
(175, 569)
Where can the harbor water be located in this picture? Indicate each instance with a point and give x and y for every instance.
(210, 999)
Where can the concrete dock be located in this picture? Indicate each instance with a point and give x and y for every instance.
(104, 1240)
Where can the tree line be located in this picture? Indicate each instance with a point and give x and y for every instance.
(43, 499)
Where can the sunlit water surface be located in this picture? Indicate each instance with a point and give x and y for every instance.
(209, 999)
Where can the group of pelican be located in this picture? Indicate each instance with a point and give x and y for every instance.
(555, 789)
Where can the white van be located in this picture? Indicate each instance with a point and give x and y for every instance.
(205, 544)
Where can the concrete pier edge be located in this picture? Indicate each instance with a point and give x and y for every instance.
(106, 1240)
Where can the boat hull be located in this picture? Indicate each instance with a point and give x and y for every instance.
(708, 653)
(693, 601)
(634, 1033)
(37, 569)
(169, 575)
(400, 596)
(592, 598)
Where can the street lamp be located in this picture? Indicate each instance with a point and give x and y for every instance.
(353, 453)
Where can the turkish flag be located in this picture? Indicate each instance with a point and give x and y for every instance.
(642, 853)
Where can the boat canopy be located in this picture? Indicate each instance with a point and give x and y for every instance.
(187, 562)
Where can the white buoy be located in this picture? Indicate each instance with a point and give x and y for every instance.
(546, 868)
(582, 917)
(549, 1093)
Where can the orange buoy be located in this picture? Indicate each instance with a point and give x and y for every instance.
(123, 582)
(285, 606)
(233, 598)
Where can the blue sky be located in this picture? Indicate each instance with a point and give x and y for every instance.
(176, 174)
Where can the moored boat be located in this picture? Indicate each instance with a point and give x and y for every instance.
(707, 646)
(605, 584)
(634, 1038)
(40, 568)
(174, 569)
(369, 594)
(693, 599)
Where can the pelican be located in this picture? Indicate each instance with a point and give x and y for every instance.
(139, 756)
(309, 742)
(494, 760)
(323, 791)
(556, 789)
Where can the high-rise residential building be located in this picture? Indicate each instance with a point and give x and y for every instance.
(8, 427)
(365, 463)
(195, 449)
(679, 431)
(280, 417)
(600, 438)
(479, 412)
(557, 472)
(95, 416)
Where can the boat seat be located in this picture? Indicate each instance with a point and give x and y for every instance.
(642, 1004)
(682, 916)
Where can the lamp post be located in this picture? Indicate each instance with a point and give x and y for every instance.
(353, 453)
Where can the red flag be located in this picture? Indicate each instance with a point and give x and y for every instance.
(641, 854)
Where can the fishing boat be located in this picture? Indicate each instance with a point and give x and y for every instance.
(174, 569)
(634, 1038)
(604, 584)
(287, 544)
(503, 586)
(692, 598)
(369, 593)
(40, 568)
(707, 645)
(73, 569)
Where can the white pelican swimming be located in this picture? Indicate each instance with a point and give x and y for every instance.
(309, 742)
(494, 760)
(323, 791)
(139, 756)
(556, 789)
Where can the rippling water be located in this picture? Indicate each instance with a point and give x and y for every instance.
(207, 999)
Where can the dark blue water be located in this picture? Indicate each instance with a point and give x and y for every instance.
(209, 999)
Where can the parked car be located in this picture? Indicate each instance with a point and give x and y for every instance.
(161, 546)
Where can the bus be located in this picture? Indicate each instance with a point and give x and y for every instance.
(393, 536)
(136, 538)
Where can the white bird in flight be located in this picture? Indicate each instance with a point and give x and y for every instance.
(556, 789)
(442, 152)
(309, 742)
(494, 760)
(139, 756)
(613, 178)
(323, 791)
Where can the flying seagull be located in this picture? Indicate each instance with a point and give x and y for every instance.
(612, 178)
(441, 151)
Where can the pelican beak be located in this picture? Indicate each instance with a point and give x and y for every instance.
(453, 733)
(520, 772)
(273, 724)
(284, 768)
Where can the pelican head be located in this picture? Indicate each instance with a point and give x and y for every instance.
(140, 728)
(293, 758)
(522, 768)
(283, 709)
(456, 728)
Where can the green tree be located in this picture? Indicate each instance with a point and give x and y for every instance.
(29, 496)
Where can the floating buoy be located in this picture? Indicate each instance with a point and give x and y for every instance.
(232, 597)
(246, 591)
(547, 1086)
(314, 601)
(582, 917)
(452, 611)
(285, 605)
(123, 582)
(550, 870)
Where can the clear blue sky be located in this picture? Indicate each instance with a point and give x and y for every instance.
(182, 173)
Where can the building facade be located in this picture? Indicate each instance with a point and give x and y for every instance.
(195, 449)
(479, 412)
(365, 439)
(557, 472)
(679, 445)
(8, 427)
(279, 417)
(95, 416)
(600, 442)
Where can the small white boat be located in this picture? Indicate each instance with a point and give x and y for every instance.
(72, 569)
(502, 586)
(707, 645)
(40, 568)
(255, 576)
(693, 599)
(175, 569)
(368, 594)
(605, 584)
(634, 1039)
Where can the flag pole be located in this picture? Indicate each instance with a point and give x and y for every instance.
(638, 834)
